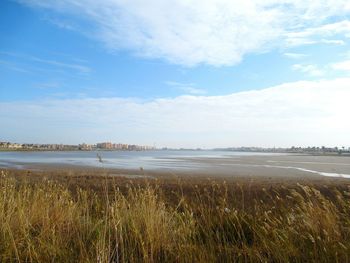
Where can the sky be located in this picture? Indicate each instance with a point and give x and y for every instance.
(176, 73)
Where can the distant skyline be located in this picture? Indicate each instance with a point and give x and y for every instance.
(176, 73)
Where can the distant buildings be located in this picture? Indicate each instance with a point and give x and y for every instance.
(293, 149)
(9, 145)
(80, 147)
(85, 147)
(123, 147)
(105, 145)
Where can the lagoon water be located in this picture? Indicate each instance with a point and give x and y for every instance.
(208, 162)
(116, 159)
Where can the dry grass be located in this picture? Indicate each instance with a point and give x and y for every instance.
(48, 221)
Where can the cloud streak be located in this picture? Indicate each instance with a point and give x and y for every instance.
(213, 32)
(299, 113)
(80, 68)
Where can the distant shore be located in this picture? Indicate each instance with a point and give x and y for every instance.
(340, 153)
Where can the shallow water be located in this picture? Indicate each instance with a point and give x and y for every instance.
(210, 162)
(116, 159)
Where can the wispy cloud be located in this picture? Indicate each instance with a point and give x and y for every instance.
(13, 66)
(188, 88)
(313, 35)
(80, 68)
(314, 70)
(333, 41)
(309, 69)
(214, 32)
(299, 113)
(77, 67)
(62, 23)
(294, 55)
(48, 85)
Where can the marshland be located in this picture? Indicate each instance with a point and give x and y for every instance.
(85, 216)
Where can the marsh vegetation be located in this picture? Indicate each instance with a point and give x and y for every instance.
(46, 220)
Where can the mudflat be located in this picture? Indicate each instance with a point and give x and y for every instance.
(231, 166)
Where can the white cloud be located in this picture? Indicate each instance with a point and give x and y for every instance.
(295, 55)
(299, 113)
(214, 32)
(312, 70)
(343, 65)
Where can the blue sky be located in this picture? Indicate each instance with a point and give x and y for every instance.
(195, 55)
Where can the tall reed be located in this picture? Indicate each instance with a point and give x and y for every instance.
(46, 222)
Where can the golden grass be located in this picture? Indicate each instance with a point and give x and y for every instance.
(47, 222)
